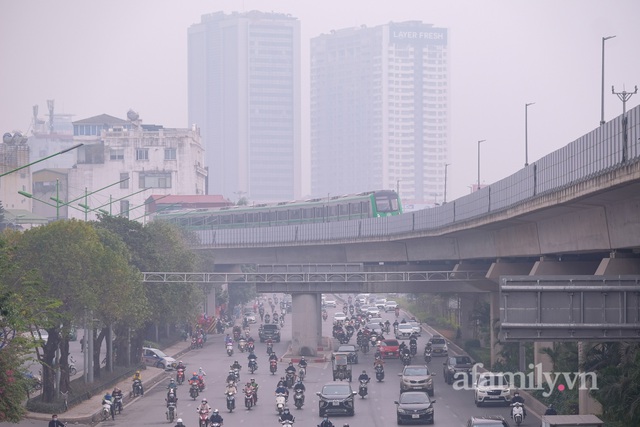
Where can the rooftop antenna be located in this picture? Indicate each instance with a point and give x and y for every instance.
(50, 105)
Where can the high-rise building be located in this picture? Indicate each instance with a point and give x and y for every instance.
(380, 111)
(244, 95)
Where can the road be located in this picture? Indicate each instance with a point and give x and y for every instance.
(452, 407)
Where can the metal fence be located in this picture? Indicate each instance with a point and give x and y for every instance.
(610, 146)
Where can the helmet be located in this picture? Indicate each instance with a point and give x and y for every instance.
(215, 411)
(204, 400)
(200, 368)
(180, 362)
(364, 372)
(179, 420)
(550, 405)
(235, 361)
(516, 393)
(302, 358)
(137, 372)
(253, 380)
(290, 363)
(286, 410)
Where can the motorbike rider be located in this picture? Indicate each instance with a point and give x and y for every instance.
(364, 377)
(204, 406)
(138, 377)
(252, 357)
(181, 365)
(551, 410)
(215, 417)
(254, 384)
(518, 399)
(302, 363)
(117, 395)
(231, 388)
(236, 365)
(286, 416)
(228, 340)
(248, 390)
(109, 399)
(201, 372)
(231, 377)
(172, 387)
(413, 340)
(299, 387)
(290, 368)
(325, 422)
(54, 421)
(171, 398)
(378, 362)
(282, 389)
(395, 324)
(179, 423)
(273, 356)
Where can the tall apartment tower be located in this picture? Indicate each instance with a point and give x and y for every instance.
(244, 95)
(380, 111)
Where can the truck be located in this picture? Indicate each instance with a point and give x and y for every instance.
(571, 420)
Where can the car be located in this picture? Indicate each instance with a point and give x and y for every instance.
(380, 303)
(457, 368)
(250, 315)
(352, 351)
(374, 327)
(157, 358)
(414, 407)
(363, 309)
(376, 318)
(390, 348)
(404, 331)
(339, 316)
(416, 378)
(330, 303)
(487, 421)
(438, 346)
(417, 329)
(372, 310)
(390, 306)
(336, 397)
(269, 331)
(492, 387)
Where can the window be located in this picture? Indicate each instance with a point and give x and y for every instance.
(124, 208)
(170, 154)
(142, 154)
(124, 184)
(155, 180)
(116, 154)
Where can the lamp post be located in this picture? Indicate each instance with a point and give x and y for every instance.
(445, 183)
(602, 90)
(398, 187)
(479, 142)
(526, 134)
(41, 160)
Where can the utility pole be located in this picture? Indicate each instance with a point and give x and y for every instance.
(445, 183)
(526, 133)
(479, 142)
(604, 39)
(624, 97)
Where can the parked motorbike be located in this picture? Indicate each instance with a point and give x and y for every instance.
(106, 410)
(363, 390)
(280, 402)
(72, 366)
(137, 388)
(231, 401)
(518, 413)
(298, 399)
(379, 373)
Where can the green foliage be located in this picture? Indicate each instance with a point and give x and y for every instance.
(241, 293)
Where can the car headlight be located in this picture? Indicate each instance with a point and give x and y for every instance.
(430, 410)
(429, 381)
(402, 411)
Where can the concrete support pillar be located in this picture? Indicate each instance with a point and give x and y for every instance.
(618, 266)
(467, 304)
(542, 359)
(494, 319)
(306, 326)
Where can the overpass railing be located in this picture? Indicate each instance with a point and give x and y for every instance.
(611, 146)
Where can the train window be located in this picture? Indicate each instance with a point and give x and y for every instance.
(366, 208)
(319, 212)
(294, 214)
(253, 217)
(344, 209)
(332, 210)
(225, 219)
(283, 215)
(383, 204)
(355, 208)
(212, 220)
(265, 217)
(307, 213)
(238, 219)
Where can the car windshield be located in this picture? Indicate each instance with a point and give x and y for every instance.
(405, 326)
(160, 353)
(496, 424)
(348, 348)
(390, 343)
(438, 341)
(461, 360)
(493, 381)
(417, 371)
(335, 390)
(414, 398)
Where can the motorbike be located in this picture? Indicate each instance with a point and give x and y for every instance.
(405, 358)
(282, 321)
(280, 402)
(518, 413)
(427, 355)
(251, 346)
(231, 401)
(413, 348)
(171, 411)
(72, 366)
(302, 373)
(273, 366)
(242, 345)
(269, 348)
(229, 349)
(286, 423)
(253, 365)
(324, 315)
(203, 419)
(106, 410)
(379, 373)
(194, 343)
(194, 390)
(248, 399)
(298, 399)
(180, 376)
(267, 318)
(290, 378)
(200, 342)
(137, 388)
(362, 390)
(236, 373)
(351, 310)
(117, 401)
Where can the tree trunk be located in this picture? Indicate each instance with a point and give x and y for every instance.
(48, 360)
(97, 344)
(64, 364)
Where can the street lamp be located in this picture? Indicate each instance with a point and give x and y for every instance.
(526, 134)
(445, 182)
(602, 91)
(479, 142)
(41, 160)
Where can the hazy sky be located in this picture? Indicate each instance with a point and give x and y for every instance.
(106, 56)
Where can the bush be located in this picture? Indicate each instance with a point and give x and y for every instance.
(474, 343)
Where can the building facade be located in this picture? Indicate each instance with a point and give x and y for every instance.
(380, 111)
(244, 95)
(121, 163)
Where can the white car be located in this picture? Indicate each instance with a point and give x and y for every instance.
(250, 316)
(380, 303)
(404, 331)
(373, 311)
(339, 317)
(330, 303)
(416, 327)
(492, 387)
(390, 306)
(154, 357)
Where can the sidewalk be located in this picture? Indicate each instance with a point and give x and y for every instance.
(88, 412)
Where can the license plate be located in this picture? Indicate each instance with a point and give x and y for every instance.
(415, 416)
(335, 403)
(493, 397)
(390, 353)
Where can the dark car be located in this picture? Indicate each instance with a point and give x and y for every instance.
(269, 331)
(487, 421)
(336, 398)
(351, 350)
(414, 407)
(457, 368)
